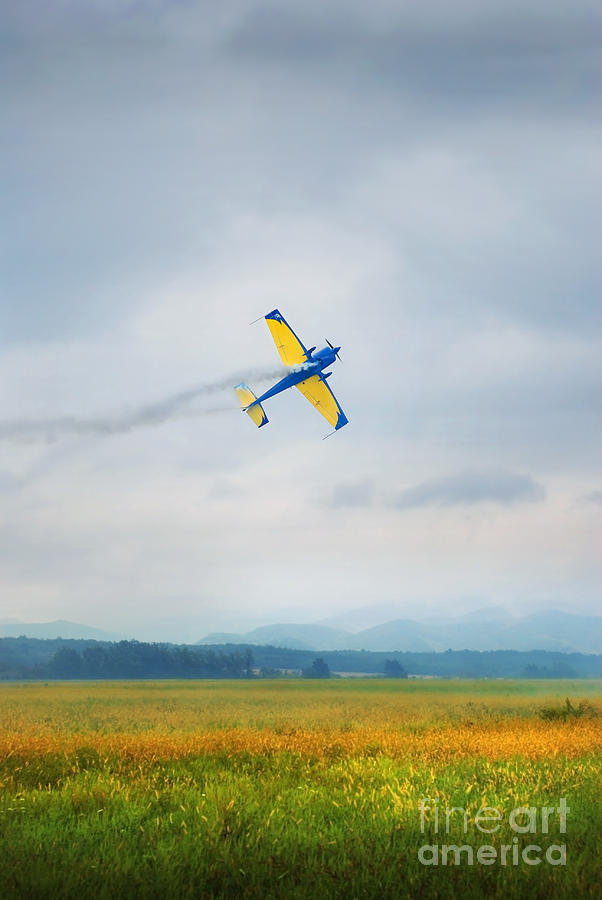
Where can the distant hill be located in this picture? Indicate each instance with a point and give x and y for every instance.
(408, 634)
(551, 630)
(556, 631)
(297, 637)
(60, 628)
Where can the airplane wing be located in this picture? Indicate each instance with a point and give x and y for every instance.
(291, 350)
(319, 394)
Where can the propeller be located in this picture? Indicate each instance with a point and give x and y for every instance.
(336, 349)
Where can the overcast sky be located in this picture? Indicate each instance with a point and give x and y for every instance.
(419, 183)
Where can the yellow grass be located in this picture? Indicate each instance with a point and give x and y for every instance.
(427, 723)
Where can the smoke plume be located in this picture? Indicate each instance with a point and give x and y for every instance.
(152, 414)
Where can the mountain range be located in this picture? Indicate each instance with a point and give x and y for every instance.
(550, 630)
(60, 628)
(487, 629)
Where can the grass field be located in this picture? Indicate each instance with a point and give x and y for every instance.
(298, 789)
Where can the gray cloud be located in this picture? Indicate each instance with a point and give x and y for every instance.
(8, 483)
(478, 57)
(592, 497)
(168, 124)
(357, 495)
(469, 488)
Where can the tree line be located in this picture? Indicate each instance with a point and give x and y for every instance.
(134, 659)
(446, 664)
(23, 657)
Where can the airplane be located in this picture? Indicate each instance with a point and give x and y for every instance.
(307, 375)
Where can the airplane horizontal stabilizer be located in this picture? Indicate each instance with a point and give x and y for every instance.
(248, 403)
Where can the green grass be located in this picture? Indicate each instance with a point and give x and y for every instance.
(277, 827)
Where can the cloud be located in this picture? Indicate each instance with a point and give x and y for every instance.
(359, 495)
(297, 108)
(481, 58)
(225, 489)
(8, 482)
(592, 497)
(469, 488)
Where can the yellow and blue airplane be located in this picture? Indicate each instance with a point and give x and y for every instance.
(307, 375)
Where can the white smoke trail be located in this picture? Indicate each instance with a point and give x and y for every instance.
(152, 414)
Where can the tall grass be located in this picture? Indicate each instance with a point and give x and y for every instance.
(215, 789)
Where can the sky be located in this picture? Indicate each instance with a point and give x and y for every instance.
(419, 183)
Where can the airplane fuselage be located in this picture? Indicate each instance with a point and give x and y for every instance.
(315, 365)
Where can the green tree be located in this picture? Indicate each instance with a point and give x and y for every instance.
(393, 669)
(66, 663)
(319, 669)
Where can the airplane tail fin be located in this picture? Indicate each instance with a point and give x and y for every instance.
(248, 403)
